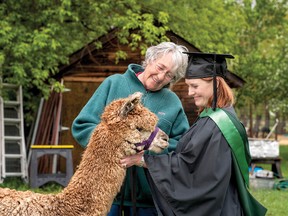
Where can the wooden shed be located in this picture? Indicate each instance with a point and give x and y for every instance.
(89, 66)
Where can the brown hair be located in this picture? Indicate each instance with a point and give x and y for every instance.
(225, 96)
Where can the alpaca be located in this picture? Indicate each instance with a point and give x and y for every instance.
(98, 178)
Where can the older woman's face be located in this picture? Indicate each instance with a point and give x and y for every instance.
(158, 73)
(200, 90)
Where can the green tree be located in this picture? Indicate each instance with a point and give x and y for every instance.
(212, 26)
(38, 36)
(261, 56)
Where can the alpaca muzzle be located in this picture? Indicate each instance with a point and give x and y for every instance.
(146, 143)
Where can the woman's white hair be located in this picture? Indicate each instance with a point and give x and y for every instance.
(180, 59)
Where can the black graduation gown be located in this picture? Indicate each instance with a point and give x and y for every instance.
(197, 179)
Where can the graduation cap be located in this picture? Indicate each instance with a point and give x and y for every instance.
(202, 65)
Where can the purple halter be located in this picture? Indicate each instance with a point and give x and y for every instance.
(147, 143)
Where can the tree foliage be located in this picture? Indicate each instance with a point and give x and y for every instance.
(262, 48)
(39, 35)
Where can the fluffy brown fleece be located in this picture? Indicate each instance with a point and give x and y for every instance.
(99, 176)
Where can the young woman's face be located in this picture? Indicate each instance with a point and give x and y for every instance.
(158, 73)
(200, 90)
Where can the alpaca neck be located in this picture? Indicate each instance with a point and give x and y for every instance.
(98, 179)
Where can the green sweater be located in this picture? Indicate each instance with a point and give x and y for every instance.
(164, 103)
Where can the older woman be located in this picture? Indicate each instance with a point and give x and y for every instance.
(207, 174)
(164, 65)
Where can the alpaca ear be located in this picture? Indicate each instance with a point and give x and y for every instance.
(129, 105)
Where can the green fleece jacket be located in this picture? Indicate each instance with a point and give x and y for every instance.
(164, 103)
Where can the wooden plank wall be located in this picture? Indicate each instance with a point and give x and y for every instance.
(181, 89)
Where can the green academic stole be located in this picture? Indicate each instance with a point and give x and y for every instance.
(233, 137)
(234, 133)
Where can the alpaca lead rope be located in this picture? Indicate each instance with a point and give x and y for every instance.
(147, 143)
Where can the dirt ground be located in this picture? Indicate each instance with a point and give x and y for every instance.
(283, 140)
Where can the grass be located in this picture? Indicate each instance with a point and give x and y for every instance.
(274, 200)
(18, 184)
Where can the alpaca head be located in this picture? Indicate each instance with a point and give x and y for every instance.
(133, 124)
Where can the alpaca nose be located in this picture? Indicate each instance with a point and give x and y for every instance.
(163, 136)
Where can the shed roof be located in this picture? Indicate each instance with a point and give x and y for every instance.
(85, 52)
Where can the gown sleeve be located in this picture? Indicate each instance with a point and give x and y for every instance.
(193, 179)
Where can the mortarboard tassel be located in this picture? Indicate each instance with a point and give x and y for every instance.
(214, 102)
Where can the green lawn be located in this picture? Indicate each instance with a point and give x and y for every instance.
(19, 184)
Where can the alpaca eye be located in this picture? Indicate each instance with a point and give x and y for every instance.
(140, 129)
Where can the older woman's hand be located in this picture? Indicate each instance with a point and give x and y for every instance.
(136, 159)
